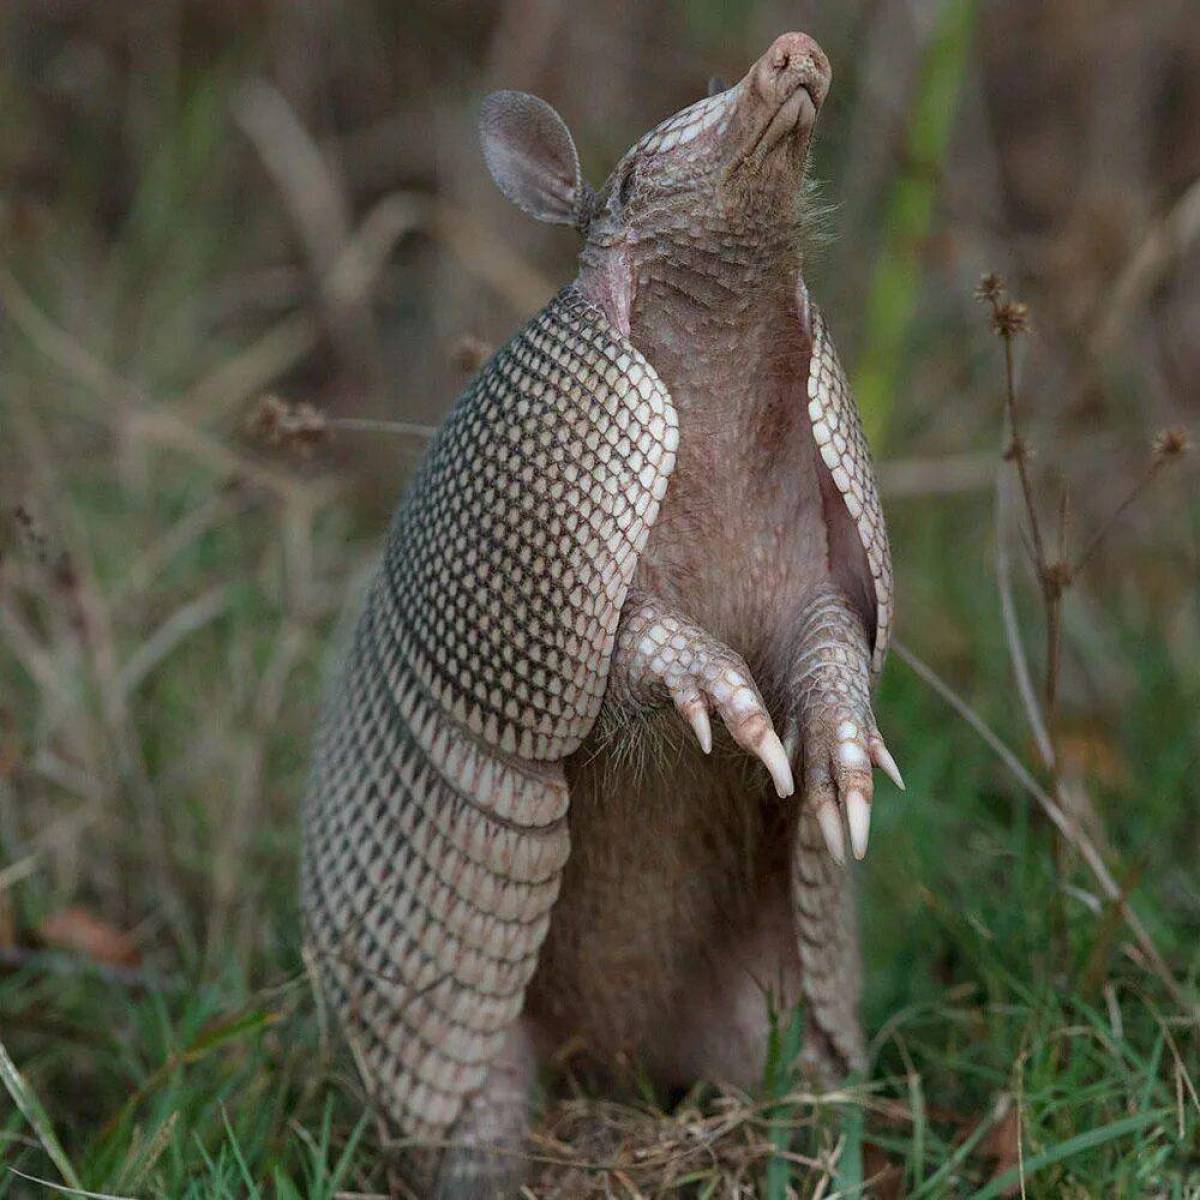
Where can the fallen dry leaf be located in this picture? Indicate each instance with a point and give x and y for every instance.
(81, 932)
(885, 1177)
(1002, 1145)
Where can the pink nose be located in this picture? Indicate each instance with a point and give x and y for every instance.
(794, 60)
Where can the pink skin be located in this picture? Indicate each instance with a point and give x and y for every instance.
(697, 883)
(672, 916)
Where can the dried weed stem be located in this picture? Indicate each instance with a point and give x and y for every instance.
(1055, 575)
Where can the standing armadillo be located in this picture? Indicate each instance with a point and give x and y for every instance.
(654, 503)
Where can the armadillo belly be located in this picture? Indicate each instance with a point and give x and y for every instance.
(435, 825)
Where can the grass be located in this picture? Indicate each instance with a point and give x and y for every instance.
(168, 591)
(895, 291)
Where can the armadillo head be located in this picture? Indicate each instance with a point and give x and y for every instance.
(709, 201)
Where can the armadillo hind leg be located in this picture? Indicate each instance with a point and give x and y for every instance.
(660, 653)
(827, 931)
(424, 908)
(753, 974)
(832, 732)
(486, 1156)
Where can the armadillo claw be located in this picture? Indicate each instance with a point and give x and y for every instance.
(858, 817)
(830, 821)
(695, 712)
(839, 780)
(659, 648)
(775, 759)
(727, 687)
(881, 756)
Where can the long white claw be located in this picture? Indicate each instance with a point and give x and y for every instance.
(858, 817)
(881, 756)
(698, 719)
(831, 826)
(771, 751)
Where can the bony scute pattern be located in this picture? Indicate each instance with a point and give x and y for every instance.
(831, 682)
(435, 831)
(837, 428)
(711, 113)
(510, 560)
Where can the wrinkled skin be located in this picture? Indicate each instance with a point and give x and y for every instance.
(674, 922)
(703, 890)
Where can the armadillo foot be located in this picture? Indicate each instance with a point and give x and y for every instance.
(486, 1156)
(833, 730)
(659, 649)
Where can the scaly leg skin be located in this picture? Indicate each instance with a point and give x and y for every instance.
(659, 650)
(833, 726)
(485, 1160)
(833, 732)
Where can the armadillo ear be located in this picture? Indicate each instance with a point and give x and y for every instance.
(531, 155)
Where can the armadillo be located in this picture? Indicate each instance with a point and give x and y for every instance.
(653, 506)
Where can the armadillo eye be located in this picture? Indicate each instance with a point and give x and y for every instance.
(625, 191)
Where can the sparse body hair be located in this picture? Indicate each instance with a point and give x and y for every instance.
(654, 505)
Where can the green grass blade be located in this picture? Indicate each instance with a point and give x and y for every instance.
(916, 1102)
(848, 1178)
(142, 1163)
(63, 1190)
(238, 1157)
(1064, 1150)
(895, 285)
(934, 1183)
(346, 1161)
(31, 1109)
(783, 1050)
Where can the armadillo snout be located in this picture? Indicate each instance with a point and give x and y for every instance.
(793, 61)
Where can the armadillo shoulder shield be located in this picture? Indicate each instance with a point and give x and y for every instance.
(435, 829)
(511, 560)
(842, 445)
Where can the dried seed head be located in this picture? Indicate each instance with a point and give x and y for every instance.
(1010, 318)
(990, 289)
(293, 426)
(1171, 443)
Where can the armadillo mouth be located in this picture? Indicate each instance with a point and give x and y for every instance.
(797, 114)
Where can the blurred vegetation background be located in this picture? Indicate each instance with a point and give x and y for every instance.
(206, 202)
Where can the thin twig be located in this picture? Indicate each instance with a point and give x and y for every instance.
(1164, 246)
(1012, 629)
(1094, 542)
(1020, 454)
(1053, 656)
(373, 425)
(166, 428)
(1010, 319)
(180, 625)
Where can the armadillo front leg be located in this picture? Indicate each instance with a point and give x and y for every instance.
(832, 720)
(833, 732)
(660, 652)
